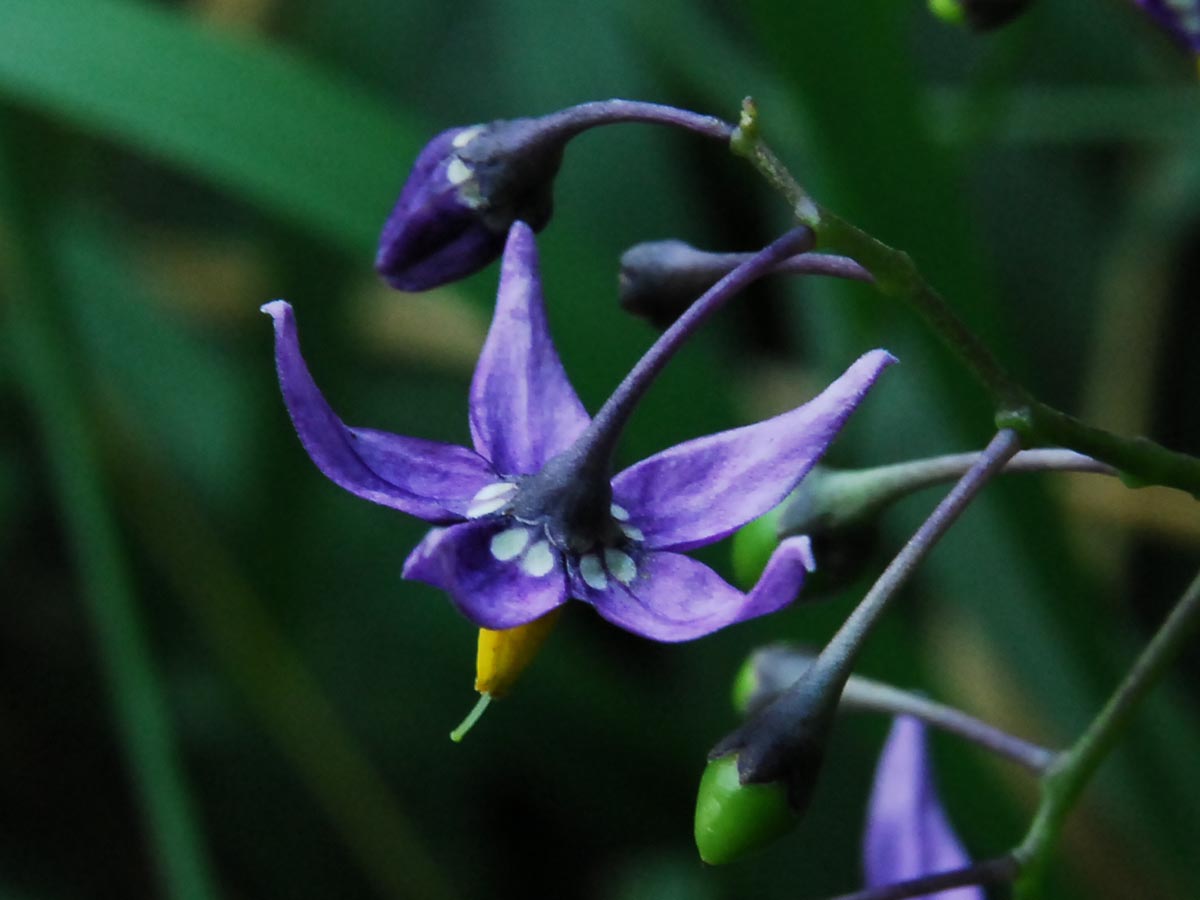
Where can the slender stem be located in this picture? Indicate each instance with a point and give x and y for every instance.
(834, 663)
(566, 123)
(1075, 767)
(56, 398)
(596, 445)
(1140, 460)
(991, 871)
(773, 668)
(867, 694)
(829, 499)
(785, 739)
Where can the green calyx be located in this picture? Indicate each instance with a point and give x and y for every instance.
(733, 819)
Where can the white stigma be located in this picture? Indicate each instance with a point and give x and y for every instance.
(465, 137)
(593, 572)
(458, 171)
(633, 533)
(510, 543)
(491, 498)
(538, 560)
(621, 565)
(620, 513)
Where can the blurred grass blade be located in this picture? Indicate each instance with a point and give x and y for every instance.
(44, 364)
(283, 134)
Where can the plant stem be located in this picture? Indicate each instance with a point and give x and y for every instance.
(1074, 768)
(53, 391)
(990, 871)
(1140, 460)
(829, 499)
(774, 667)
(836, 661)
(795, 725)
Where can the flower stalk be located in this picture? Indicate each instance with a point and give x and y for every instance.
(1140, 460)
(1067, 778)
(785, 741)
(772, 669)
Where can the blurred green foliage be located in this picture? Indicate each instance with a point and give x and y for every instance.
(171, 166)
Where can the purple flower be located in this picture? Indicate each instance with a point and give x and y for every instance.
(908, 835)
(534, 515)
(1181, 18)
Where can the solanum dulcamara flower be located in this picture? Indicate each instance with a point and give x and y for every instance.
(908, 835)
(532, 513)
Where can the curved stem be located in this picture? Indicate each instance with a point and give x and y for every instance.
(867, 694)
(1075, 767)
(835, 662)
(596, 445)
(774, 667)
(566, 123)
(1140, 460)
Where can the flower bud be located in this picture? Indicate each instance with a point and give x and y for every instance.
(733, 819)
(660, 279)
(465, 190)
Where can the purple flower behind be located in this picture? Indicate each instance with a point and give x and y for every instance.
(534, 516)
(908, 835)
(1181, 19)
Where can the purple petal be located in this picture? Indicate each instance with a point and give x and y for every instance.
(675, 598)
(426, 479)
(523, 409)
(700, 491)
(491, 593)
(432, 236)
(908, 835)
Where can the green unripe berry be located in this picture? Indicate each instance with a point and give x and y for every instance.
(949, 11)
(733, 819)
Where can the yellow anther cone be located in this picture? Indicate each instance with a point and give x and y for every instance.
(499, 661)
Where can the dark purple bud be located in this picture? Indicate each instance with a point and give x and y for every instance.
(661, 279)
(465, 191)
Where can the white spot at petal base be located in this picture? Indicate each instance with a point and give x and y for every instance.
(509, 544)
(593, 572)
(538, 560)
(621, 565)
(483, 507)
(490, 498)
(633, 533)
(620, 513)
(458, 171)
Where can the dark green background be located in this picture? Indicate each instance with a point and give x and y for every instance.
(166, 546)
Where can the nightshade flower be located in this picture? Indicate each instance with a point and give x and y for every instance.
(533, 514)
(908, 835)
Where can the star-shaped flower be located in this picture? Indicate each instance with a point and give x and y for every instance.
(908, 835)
(533, 513)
